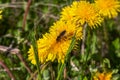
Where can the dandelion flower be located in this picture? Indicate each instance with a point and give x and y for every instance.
(103, 76)
(87, 13)
(54, 45)
(108, 8)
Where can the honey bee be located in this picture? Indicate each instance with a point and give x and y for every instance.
(61, 35)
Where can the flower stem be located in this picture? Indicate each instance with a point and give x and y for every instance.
(83, 39)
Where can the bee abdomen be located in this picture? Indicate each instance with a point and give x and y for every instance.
(59, 37)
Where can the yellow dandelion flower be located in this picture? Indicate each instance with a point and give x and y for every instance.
(82, 12)
(54, 45)
(0, 14)
(108, 8)
(103, 76)
(86, 13)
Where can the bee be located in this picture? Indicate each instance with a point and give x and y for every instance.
(61, 35)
